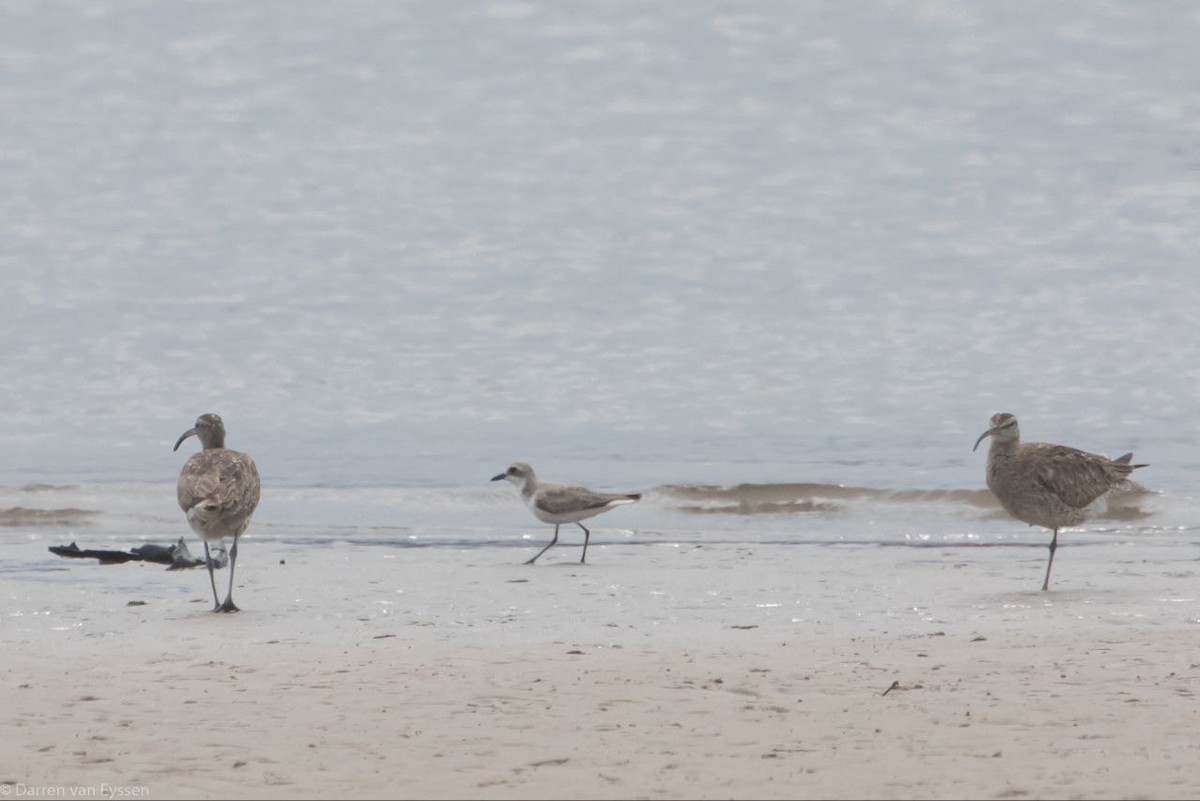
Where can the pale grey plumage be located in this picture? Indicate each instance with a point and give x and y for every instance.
(561, 503)
(1048, 485)
(218, 490)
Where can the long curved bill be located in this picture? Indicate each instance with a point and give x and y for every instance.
(984, 436)
(191, 432)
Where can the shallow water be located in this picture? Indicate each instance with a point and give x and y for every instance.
(642, 247)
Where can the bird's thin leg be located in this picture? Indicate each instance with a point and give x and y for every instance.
(211, 580)
(587, 535)
(539, 553)
(229, 605)
(1053, 548)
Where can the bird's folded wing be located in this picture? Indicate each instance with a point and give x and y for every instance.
(565, 500)
(228, 485)
(1077, 477)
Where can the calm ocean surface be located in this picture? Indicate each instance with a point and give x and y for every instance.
(400, 245)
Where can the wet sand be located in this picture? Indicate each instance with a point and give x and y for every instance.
(663, 671)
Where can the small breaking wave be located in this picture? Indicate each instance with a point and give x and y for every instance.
(809, 498)
(24, 517)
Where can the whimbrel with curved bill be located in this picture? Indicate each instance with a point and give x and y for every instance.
(1048, 485)
(218, 490)
(561, 503)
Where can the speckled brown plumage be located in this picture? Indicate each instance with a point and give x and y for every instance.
(1048, 485)
(218, 490)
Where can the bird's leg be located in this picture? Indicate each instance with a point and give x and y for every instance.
(211, 580)
(229, 605)
(539, 553)
(1053, 548)
(587, 535)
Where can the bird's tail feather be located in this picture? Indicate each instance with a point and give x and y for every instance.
(1126, 459)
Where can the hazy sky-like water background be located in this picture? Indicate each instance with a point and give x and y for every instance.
(404, 244)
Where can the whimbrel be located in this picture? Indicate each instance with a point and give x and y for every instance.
(218, 490)
(1048, 485)
(561, 503)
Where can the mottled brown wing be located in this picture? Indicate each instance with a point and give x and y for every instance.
(227, 481)
(1076, 477)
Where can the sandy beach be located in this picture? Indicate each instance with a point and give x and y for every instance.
(660, 671)
(773, 265)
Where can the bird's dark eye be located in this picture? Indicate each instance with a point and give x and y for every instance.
(512, 471)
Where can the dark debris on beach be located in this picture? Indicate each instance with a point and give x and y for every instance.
(176, 556)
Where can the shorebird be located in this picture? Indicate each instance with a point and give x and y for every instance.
(218, 490)
(561, 503)
(1048, 485)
